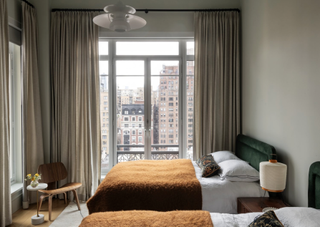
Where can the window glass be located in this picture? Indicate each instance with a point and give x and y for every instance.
(190, 67)
(190, 48)
(189, 109)
(104, 67)
(103, 48)
(147, 48)
(104, 111)
(165, 68)
(130, 67)
(15, 111)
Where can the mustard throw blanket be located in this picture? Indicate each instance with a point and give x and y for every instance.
(149, 218)
(163, 185)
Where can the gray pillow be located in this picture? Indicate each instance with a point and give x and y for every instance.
(238, 170)
(220, 156)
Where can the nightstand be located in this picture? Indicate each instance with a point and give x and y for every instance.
(256, 204)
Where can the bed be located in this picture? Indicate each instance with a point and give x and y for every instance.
(177, 184)
(288, 216)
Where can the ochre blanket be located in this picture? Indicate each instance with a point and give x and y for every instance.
(163, 185)
(148, 218)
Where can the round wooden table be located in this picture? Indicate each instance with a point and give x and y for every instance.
(39, 218)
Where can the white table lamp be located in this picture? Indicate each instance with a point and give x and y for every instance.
(273, 176)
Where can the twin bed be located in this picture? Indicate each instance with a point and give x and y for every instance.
(288, 216)
(178, 184)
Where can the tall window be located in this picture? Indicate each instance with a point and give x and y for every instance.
(15, 104)
(104, 104)
(149, 91)
(190, 95)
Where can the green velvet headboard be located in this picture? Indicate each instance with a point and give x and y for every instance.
(253, 151)
(314, 186)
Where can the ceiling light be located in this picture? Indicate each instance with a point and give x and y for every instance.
(119, 18)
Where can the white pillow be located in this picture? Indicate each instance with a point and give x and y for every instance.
(238, 170)
(220, 156)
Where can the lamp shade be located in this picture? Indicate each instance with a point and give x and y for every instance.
(119, 18)
(273, 176)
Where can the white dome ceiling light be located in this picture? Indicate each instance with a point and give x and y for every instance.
(119, 18)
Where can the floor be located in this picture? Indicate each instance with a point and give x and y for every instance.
(22, 217)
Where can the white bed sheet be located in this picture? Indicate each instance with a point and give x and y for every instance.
(221, 196)
(289, 216)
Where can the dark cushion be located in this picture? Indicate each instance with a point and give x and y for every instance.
(267, 219)
(208, 166)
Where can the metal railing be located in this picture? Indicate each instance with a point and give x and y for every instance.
(131, 155)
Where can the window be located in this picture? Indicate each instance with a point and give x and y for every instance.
(15, 103)
(139, 72)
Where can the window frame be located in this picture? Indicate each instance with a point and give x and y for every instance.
(182, 57)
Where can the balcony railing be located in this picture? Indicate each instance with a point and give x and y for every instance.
(156, 154)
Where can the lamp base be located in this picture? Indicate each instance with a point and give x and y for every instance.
(35, 220)
(268, 209)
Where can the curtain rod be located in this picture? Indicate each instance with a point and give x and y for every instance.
(153, 10)
(28, 3)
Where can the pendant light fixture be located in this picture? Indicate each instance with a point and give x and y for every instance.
(119, 18)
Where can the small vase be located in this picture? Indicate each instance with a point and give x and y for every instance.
(34, 183)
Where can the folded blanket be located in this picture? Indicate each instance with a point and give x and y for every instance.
(149, 218)
(162, 185)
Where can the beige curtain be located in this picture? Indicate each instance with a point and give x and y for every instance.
(32, 126)
(217, 81)
(75, 127)
(5, 184)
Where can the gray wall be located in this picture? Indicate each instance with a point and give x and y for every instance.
(43, 19)
(280, 71)
(14, 12)
(142, 4)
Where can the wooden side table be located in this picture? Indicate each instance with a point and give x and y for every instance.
(39, 218)
(256, 204)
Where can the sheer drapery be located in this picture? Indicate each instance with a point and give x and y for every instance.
(33, 155)
(5, 183)
(75, 98)
(217, 81)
